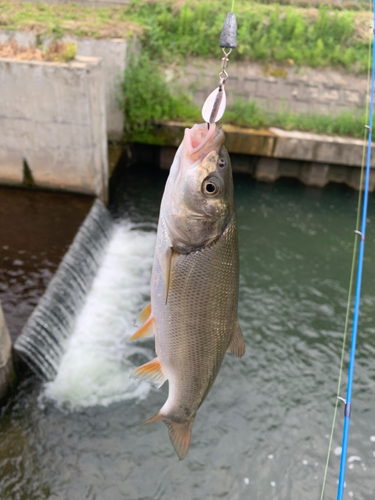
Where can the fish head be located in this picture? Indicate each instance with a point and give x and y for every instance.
(198, 202)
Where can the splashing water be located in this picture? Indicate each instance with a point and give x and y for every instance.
(95, 368)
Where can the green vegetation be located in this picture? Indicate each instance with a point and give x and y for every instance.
(146, 99)
(172, 30)
(313, 37)
(248, 114)
(61, 51)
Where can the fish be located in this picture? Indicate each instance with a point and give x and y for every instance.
(193, 312)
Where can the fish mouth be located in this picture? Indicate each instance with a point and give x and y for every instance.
(202, 139)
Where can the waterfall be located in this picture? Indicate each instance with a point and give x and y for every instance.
(43, 339)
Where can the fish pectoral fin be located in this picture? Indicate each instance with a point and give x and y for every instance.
(144, 315)
(151, 372)
(237, 344)
(180, 434)
(167, 262)
(146, 330)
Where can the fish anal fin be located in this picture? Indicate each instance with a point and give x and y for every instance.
(237, 344)
(180, 435)
(146, 330)
(144, 315)
(151, 372)
(155, 418)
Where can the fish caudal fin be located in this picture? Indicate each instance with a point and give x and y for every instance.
(180, 434)
(237, 344)
(151, 372)
(146, 330)
(144, 315)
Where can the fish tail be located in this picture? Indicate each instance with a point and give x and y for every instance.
(180, 434)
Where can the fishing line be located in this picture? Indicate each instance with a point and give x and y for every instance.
(369, 113)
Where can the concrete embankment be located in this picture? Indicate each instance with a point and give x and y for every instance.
(56, 118)
(270, 154)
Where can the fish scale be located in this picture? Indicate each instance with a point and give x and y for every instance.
(197, 342)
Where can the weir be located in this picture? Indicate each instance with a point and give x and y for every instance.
(41, 344)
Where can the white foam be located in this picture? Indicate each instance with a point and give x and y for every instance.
(95, 368)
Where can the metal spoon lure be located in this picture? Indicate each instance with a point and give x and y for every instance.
(215, 104)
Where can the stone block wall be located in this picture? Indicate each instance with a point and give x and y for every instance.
(300, 90)
(53, 125)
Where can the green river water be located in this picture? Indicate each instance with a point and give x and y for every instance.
(262, 432)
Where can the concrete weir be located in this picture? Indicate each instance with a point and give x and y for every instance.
(53, 125)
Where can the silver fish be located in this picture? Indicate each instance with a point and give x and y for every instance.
(194, 285)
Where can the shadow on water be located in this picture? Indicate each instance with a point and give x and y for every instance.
(262, 432)
(36, 228)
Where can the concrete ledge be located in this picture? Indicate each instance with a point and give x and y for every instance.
(314, 159)
(276, 143)
(53, 124)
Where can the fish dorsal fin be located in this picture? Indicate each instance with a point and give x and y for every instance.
(151, 372)
(146, 330)
(237, 344)
(144, 315)
(180, 435)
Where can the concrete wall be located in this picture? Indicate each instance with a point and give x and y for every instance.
(52, 119)
(114, 53)
(301, 90)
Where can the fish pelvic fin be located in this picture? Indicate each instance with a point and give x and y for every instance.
(146, 330)
(151, 372)
(144, 315)
(237, 343)
(180, 435)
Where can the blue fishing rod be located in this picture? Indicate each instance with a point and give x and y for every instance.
(361, 234)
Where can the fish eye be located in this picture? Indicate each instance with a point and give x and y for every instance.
(222, 162)
(210, 188)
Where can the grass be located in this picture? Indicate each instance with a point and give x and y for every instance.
(172, 30)
(147, 99)
(248, 114)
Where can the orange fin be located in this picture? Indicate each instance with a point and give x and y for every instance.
(144, 315)
(180, 434)
(237, 344)
(151, 372)
(146, 330)
(154, 418)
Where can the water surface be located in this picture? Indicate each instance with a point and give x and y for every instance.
(262, 431)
